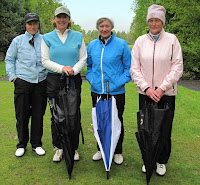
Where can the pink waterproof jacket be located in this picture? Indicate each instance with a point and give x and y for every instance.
(157, 64)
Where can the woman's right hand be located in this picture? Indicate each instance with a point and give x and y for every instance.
(14, 80)
(153, 94)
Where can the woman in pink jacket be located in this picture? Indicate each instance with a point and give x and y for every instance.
(156, 66)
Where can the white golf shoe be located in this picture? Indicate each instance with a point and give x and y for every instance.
(19, 152)
(143, 169)
(58, 155)
(97, 156)
(161, 169)
(39, 151)
(118, 159)
(76, 156)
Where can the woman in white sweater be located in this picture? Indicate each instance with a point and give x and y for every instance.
(63, 51)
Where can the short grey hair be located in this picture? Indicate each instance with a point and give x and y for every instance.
(100, 20)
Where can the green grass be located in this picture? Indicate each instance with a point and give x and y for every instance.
(183, 166)
(2, 69)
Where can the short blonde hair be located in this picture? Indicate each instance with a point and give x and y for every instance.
(100, 20)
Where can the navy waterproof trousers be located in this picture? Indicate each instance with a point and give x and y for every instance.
(30, 102)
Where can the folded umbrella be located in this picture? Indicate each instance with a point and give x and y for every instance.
(150, 135)
(107, 128)
(65, 111)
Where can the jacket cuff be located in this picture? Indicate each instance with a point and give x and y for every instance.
(146, 89)
(163, 88)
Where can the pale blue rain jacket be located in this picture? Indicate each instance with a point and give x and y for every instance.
(110, 62)
(23, 60)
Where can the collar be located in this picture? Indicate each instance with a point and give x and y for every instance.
(108, 40)
(65, 32)
(31, 36)
(157, 36)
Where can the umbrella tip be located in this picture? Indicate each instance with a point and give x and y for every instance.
(107, 174)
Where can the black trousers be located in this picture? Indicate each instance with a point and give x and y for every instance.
(167, 128)
(120, 101)
(54, 84)
(30, 101)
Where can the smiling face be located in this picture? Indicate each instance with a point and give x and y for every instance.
(105, 29)
(32, 27)
(62, 21)
(155, 25)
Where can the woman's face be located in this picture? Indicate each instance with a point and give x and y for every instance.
(105, 29)
(32, 27)
(62, 21)
(155, 25)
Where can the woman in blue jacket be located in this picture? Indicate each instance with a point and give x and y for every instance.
(25, 70)
(109, 59)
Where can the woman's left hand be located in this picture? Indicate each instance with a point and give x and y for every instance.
(160, 92)
(68, 70)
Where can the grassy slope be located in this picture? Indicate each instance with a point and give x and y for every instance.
(183, 166)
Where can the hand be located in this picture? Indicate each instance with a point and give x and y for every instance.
(160, 92)
(153, 94)
(68, 70)
(14, 80)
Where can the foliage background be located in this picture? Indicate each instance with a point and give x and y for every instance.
(182, 19)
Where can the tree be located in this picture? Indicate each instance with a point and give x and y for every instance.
(182, 19)
(12, 21)
(12, 14)
(45, 9)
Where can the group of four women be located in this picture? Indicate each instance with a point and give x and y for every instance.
(34, 63)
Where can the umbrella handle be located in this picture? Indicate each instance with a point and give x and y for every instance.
(63, 75)
(107, 88)
(67, 83)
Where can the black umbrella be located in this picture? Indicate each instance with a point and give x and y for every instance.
(150, 133)
(65, 111)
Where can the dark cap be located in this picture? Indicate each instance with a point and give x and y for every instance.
(31, 17)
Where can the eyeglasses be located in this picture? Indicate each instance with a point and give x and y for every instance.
(31, 42)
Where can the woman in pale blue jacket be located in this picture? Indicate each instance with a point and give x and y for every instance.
(25, 70)
(109, 60)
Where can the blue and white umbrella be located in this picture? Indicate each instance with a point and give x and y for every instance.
(107, 128)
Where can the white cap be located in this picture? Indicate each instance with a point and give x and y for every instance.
(62, 9)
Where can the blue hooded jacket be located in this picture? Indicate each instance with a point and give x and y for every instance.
(108, 62)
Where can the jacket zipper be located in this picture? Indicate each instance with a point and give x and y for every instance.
(102, 68)
(153, 64)
(172, 51)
